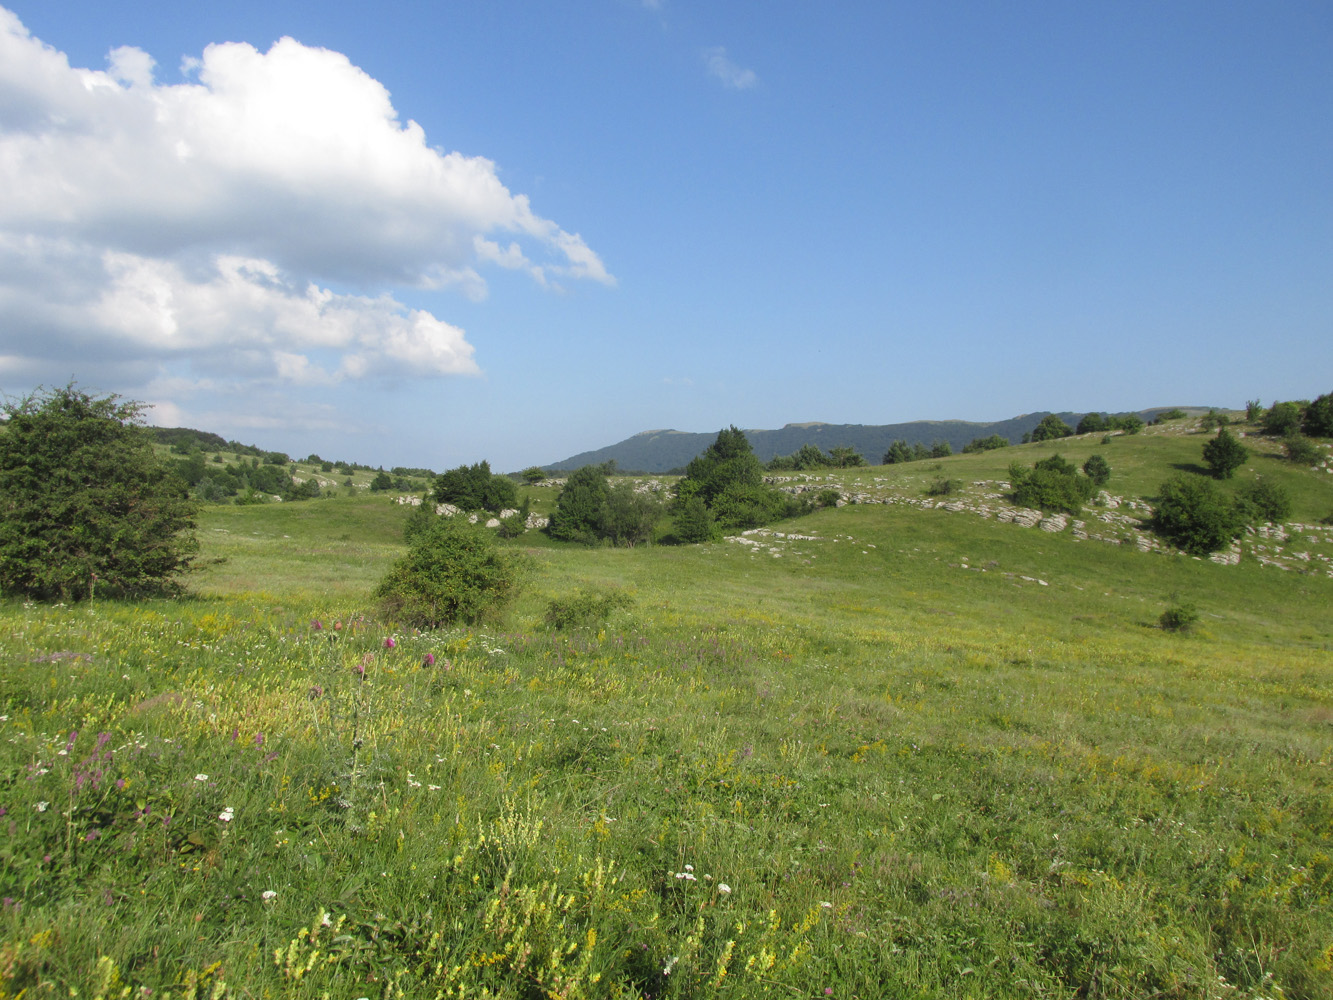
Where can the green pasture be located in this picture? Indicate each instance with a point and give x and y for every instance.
(917, 754)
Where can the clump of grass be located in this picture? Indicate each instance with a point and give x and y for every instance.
(942, 487)
(1179, 617)
(587, 607)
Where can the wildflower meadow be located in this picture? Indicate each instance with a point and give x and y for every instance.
(857, 768)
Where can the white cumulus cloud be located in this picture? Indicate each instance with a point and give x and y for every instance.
(253, 221)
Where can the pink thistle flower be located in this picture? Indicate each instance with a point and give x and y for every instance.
(316, 625)
(429, 660)
(390, 642)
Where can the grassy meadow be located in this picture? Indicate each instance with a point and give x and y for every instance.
(888, 752)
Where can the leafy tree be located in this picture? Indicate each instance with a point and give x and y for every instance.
(940, 449)
(985, 444)
(629, 517)
(809, 457)
(1224, 454)
(845, 457)
(453, 572)
(1051, 484)
(728, 461)
(533, 474)
(1264, 500)
(474, 487)
(1282, 419)
(579, 507)
(382, 481)
(1254, 410)
(1097, 469)
(1173, 414)
(1050, 428)
(1129, 423)
(898, 452)
(1092, 423)
(84, 502)
(695, 522)
(1318, 419)
(1195, 515)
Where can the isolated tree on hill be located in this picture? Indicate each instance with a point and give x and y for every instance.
(1097, 469)
(1194, 515)
(1050, 428)
(533, 474)
(578, 510)
(85, 504)
(728, 461)
(473, 488)
(1092, 423)
(1224, 454)
(1051, 484)
(941, 449)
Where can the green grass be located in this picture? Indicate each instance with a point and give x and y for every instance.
(929, 754)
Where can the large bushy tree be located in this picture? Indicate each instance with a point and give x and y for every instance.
(1050, 428)
(1051, 484)
(474, 487)
(453, 572)
(85, 504)
(1318, 419)
(729, 479)
(578, 510)
(1195, 515)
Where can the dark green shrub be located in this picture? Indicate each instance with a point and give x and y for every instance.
(453, 572)
(900, 451)
(86, 506)
(1224, 454)
(474, 488)
(940, 449)
(1053, 484)
(942, 487)
(985, 444)
(1254, 410)
(1091, 424)
(695, 522)
(628, 516)
(744, 506)
(578, 510)
(1172, 414)
(1097, 469)
(1194, 515)
(1300, 450)
(1178, 618)
(1263, 500)
(827, 498)
(1283, 419)
(1318, 419)
(1129, 423)
(587, 607)
(1050, 428)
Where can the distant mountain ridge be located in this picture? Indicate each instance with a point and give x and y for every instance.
(659, 451)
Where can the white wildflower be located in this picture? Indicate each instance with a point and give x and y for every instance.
(227, 814)
(201, 777)
(43, 806)
(268, 894)
(723, 888)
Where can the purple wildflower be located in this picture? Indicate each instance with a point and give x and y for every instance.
(429, 660)
(390, 642)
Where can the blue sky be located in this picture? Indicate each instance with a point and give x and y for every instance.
(614, 216)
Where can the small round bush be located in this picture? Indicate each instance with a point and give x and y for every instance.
(1300, 450)
(453, 573)
(587, 607)
(1178, 618)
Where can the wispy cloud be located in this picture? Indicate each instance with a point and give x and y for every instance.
(731, 75)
